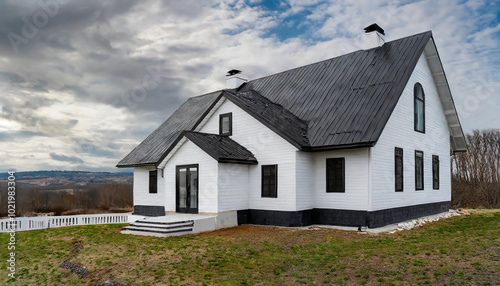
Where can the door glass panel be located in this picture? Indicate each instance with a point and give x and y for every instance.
(182, 188)
(194, 187)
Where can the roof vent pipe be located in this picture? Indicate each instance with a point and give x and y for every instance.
(234, 79)
(374, 37)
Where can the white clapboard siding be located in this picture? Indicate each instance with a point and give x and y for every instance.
(141, 188)
(233, 187)
(269, 149)
(305, 180)
(356, 180)
(189, 154)
(399, 132)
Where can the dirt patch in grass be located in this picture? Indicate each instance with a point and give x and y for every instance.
(272, 234)
(71, 263)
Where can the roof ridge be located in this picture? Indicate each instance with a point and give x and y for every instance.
(339, 56)
(205, 94)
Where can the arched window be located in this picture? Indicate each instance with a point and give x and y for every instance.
(419, 107)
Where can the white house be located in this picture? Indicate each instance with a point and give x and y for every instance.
(362, 139)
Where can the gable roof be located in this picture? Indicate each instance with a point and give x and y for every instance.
(155, 147)
(343, 102)
(346, 100)
(221, 148)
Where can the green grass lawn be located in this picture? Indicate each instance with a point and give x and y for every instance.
(457, 251)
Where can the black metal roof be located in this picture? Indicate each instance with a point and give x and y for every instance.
(221, 148)
(157, 145)
(347, 100)
(273, 115)
(343, 102)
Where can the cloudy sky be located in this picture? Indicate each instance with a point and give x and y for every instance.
(83, 82)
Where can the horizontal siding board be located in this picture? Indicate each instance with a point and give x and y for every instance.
(232, 187)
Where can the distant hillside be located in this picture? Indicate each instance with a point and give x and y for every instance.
(64, 178)
(68, 175)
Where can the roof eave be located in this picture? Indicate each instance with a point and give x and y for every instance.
(455, 127)
(237, 161)
(337, 147)
(136, 165)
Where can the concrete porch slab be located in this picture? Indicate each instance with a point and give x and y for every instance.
(176, 217)
(164, 226)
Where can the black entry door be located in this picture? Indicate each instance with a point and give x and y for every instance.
(187, 189)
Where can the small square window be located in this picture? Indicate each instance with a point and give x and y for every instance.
(226, 124)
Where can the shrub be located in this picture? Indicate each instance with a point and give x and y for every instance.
(57, 209)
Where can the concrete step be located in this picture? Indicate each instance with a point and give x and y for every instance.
(163, 223)
(156, 234)
(159, 226)
(156, 230)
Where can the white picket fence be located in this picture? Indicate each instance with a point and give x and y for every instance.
(41, 222)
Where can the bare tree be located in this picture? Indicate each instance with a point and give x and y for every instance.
(476, 173)
(35, 200)
(115, 195)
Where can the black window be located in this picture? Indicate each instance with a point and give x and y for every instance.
(419, 107)
(419, 170)
(226, 124)
(435, 172)
(398, 168)
(270, 181)
(153, 182)
(335, 175)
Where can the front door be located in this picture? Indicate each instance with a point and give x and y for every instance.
(187, 189)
